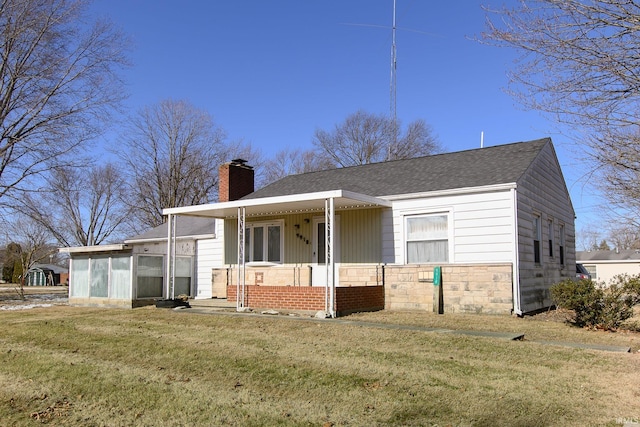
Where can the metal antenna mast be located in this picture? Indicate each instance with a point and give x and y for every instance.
(392, 89)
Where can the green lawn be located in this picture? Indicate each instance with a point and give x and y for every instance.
(150, 367)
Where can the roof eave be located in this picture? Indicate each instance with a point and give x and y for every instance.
(454, 191)
(281, 204)
(164, 239)
(94, 249)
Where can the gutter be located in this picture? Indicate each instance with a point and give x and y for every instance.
(452, 192)
(164, 239)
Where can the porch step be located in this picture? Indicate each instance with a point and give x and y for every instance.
(216, 303)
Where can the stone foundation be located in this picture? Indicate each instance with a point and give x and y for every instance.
(465, 288)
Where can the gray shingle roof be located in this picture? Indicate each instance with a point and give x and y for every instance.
(185, 226)
(56, 269)
(624, 255)
(471, 168)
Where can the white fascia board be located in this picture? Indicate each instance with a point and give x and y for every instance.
(96, 248)
(454, 191)
(366, 199)
(164, 239)
(226, 209)
(608, 261)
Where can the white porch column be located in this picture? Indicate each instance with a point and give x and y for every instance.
(171, 257)
(240, 282)
(330, 287)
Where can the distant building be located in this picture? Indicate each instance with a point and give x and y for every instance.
(605, 265)
(47, 275)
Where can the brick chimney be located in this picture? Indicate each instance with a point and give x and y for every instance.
(235, 180)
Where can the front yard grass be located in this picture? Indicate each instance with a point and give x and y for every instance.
(148, 367)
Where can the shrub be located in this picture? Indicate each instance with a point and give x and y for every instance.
(630, 285)
(596, 305)
(581, 296)
(617, 306)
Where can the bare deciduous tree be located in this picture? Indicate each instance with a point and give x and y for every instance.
(34, 243)
(292, 162)
(172, 152)
(577, 64)
(625, 236)
(368, 138)
(59, 79)
(80, 206)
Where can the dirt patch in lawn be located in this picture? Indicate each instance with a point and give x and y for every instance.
(34, 296)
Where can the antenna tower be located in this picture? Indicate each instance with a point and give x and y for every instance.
(392, 88)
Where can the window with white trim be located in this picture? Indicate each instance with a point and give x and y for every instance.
(561, 244)
(537, 238)
(550, 232)
(264, 242)
(427, 238)
(150, 277)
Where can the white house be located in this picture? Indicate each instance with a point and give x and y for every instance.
(497, 221)
(605, 265)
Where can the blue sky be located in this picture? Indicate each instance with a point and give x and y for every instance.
(271, 72)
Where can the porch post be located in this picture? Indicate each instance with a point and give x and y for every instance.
(170, 257)
(173, 257)
(240, 282)
(330, 289)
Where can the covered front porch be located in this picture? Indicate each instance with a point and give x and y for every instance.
(314, 251)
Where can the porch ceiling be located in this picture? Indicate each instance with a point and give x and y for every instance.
(282, 205)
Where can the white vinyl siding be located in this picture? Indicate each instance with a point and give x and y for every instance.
(480, 226)
(542, 192)
(209, 256)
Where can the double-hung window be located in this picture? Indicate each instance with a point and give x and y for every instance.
(263, 242)
(427, 238)
(537, 238)
(561, 244)
(550, 227)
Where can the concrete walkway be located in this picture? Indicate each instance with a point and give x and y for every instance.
(224, 307)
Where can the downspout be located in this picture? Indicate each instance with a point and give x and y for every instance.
(516, 256)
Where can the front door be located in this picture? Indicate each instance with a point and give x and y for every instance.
(319, 256)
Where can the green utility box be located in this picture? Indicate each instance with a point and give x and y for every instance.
(438, 296)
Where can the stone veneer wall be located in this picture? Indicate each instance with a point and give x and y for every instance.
(110, 302)
(466, 288)
(263, 276)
